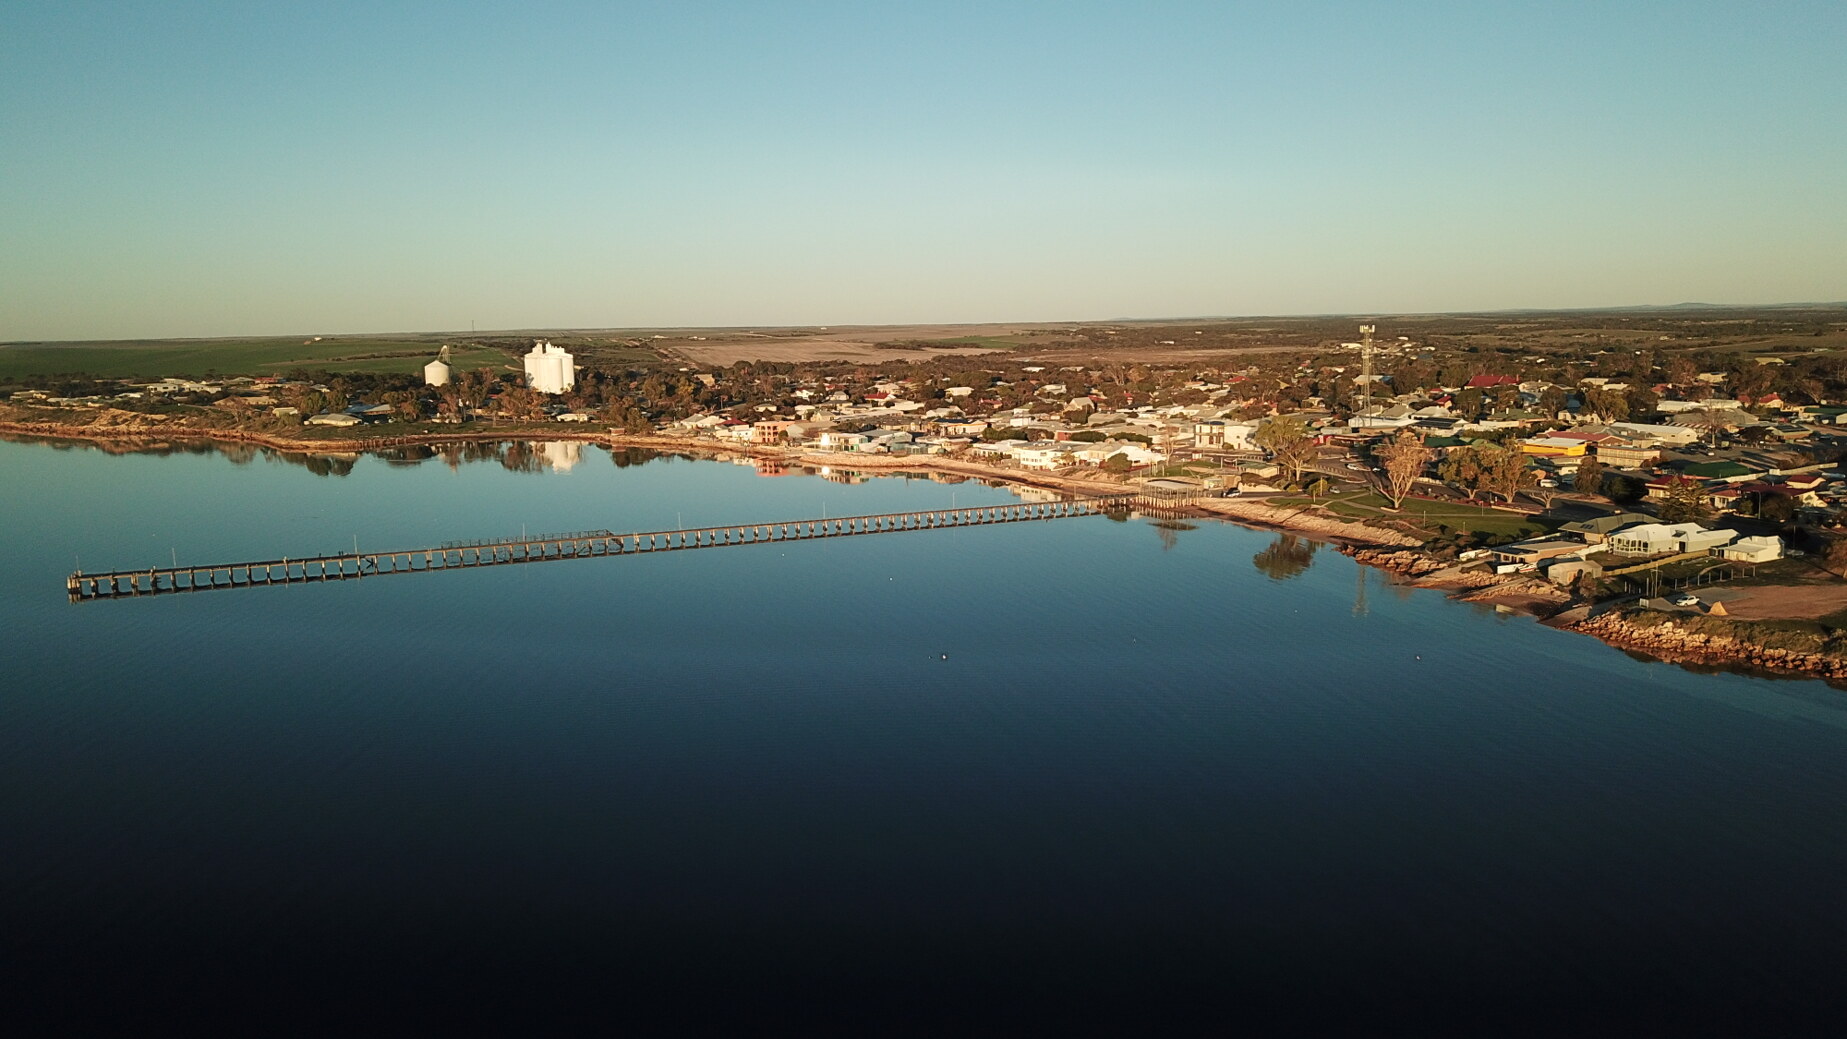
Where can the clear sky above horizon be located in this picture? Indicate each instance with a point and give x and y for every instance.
(204, 169)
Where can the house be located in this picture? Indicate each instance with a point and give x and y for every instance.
(1597, 531)
(1751, 550)
(1627, 456)
(1229, 436)
(371, 412)
(1489, 382)
(1554, 447)
(1395, 416)
(1529, 554)
(1652, 539)
(1044, 455)
(834, 440)
(1097, 454)
(1674, 435)
(1569, 568)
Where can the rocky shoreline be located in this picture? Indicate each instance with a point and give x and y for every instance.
(1669, 641)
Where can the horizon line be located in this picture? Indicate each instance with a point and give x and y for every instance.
(562, 330)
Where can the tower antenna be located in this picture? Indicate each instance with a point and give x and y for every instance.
(1366, 366)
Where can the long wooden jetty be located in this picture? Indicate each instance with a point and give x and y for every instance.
(454, 555)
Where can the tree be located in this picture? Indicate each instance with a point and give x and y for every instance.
(1611, 405)
(1777, 508)
(1504, 471)
(1463, 467)
(1286, 557)
(1291, 445)
(1117, 463)
(1684, 501)
(1467, 402)
(1712, 421)
(1552, 400)
(1404, 458)
(1622, 489)
(1589, 478)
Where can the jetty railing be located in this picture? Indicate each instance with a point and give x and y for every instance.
(454, 555)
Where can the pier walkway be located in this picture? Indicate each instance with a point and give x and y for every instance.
(164, 580)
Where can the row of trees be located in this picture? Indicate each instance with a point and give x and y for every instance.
(1487, 468)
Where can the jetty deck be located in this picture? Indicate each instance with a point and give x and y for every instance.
(463, 555)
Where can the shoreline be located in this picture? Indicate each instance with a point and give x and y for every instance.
(1391, 551)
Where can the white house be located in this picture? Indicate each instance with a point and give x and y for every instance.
(1648, 539)
(834, 440)
(1752, 550)
(1044, 455)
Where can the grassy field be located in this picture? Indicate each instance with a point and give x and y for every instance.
(1426, 514)
(197, 358)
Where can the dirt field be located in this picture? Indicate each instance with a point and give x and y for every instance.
(860, 344)
(1781, 602)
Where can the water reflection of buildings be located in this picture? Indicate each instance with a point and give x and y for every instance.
(770, 467)
(561, 455)
(829, 473)
(1038, 494)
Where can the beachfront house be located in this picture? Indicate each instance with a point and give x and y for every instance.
(1751, 550)
(834, 440)
(1598, 530)
(1652, 539)
(1530, 555)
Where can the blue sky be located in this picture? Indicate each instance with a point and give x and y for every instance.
(179, 169)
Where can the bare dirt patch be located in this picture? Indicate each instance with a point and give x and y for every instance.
(1782, 602)
(858, 344)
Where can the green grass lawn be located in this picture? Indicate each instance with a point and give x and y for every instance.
(269, 356)
(1193, 470)
(1367, 505)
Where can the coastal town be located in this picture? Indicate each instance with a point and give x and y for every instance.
(1661, 495)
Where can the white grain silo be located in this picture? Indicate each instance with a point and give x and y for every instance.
(439, 371)
(549, 369)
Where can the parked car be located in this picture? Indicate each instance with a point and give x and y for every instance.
(1685, 599)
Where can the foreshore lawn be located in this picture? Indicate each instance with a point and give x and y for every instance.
(1429, 515)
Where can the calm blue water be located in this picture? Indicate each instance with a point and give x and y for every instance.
(1080, 770)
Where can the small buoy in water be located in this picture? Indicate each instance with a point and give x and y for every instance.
(1418, 657)
(945, 656)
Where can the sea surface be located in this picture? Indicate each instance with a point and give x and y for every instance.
(1024, 777)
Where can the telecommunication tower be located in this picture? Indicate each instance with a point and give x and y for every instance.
(1366, 366)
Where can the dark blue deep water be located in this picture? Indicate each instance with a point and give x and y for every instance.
(1027, 777)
